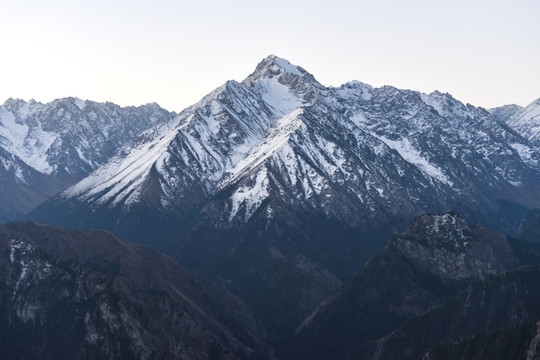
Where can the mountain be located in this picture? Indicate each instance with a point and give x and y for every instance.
(22, 187)
(495, 318)
(280, 164)
(506, 112)
(433, 259)
(73, 294)
(47, 147)
(529, 230)
(526, 121)
(285, 292)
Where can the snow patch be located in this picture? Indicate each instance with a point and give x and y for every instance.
(29, 146)
(81, 104)
(124, 173)
(413, 156)
(287, 66)
(355, 90)
(250, 197)
(18, 245)
(525, 153)
(278, 96)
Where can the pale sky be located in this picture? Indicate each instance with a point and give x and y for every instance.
(486, 53)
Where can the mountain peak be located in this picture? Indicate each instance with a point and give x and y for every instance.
(274, 66)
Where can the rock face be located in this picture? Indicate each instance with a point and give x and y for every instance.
(500, 311)
(519, 342)
(63, 141)
(281, 162)
(22, 187)
(448, 248)
(435, 258)
(70, 294)
(285, 292)
(529, 230)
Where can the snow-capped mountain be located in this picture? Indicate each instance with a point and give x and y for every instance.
(64, 140)
(526, 121)
(22, 187)
(255, 159)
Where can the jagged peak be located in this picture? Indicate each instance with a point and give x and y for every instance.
(355, 84)
(13, 103)
(274, 66)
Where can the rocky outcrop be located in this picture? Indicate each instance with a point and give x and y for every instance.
(447, 247)
(499, 312)
(89, 295)
(435, 258)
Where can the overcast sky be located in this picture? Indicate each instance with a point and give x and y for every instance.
(133, 52)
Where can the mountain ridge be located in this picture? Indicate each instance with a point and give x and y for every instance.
(279, 148)
(61, 142)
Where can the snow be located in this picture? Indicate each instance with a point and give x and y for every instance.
(527, 122)
(276, 137)
(525, 153)
(121, 176)
(531, 111)
(29, 146)
(285, 65)
(446, 105)
(405, 149)
(14, 246)
(278, 96)
(15, 169)
(24, 111)
(250, 197)
(81, 104)
(413, 156)
(355, 89)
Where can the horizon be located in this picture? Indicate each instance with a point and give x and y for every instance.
(209, 91)
(172, 54)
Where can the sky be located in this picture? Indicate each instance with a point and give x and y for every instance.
(486, 53)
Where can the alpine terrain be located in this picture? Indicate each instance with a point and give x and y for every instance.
(280, 165)
(87, 295)
(526, 121)
(441, 287)
(44, 148)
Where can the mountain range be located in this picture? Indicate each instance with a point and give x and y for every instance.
(296, 217)
(278, 164)
(44, 148)
(441, 289)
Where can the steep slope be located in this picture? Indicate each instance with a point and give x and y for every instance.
(433, 259)
(88, 294)
(526, 121)
(22, 187)
(519, 342)
(529, 229)
(280, 161)
(64, 140)
(504, 304)
(284, 293)
(506, 112)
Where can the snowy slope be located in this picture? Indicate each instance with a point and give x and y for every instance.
(70, 136)
(280, 146)
(48, 147)
(527, 122)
